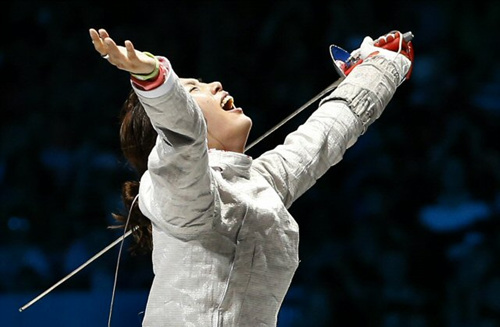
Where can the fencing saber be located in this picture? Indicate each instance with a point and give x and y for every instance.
(337, 54)
(343, 60)
(331, 87)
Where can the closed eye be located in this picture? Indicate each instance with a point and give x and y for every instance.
(191, 84)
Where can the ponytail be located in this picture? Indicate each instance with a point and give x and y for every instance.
(137, 139)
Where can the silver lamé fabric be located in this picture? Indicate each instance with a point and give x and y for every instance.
(225, 245)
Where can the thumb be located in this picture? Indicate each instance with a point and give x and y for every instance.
(367, 41)
(367, 47)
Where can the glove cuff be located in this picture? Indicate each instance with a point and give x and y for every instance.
(368, 89)
(400, 63)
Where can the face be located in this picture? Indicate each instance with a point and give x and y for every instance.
(227, 125)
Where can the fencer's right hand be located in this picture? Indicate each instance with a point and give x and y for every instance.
(123, 57)
(391, 47)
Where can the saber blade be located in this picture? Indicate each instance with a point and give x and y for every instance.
(71, 274)
(329, 88)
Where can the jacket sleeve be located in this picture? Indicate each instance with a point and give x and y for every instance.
(306, 154)
(176, 191)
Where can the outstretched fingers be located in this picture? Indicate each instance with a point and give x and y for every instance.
(104, 44)
(98, 42)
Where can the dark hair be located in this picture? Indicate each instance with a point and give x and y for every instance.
(137, 139)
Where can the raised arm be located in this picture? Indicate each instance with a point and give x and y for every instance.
(292, 168)
(175, 192)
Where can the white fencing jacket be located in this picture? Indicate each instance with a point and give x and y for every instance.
(225, 246)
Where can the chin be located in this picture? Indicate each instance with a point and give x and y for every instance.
(248, 128)
(241, 137)
(250, 123)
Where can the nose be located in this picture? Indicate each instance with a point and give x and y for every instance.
(215, 87)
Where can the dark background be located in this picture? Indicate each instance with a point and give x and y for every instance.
(403, 232)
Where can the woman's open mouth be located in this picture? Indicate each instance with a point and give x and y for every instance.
(227, 103)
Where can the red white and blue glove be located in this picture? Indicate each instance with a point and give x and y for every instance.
(394, 46)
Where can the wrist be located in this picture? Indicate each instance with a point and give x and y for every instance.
(153, 74)
(150, 84)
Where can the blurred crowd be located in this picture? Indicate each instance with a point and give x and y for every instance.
(403, 232)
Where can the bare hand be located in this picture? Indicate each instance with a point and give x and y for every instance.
(124, 57)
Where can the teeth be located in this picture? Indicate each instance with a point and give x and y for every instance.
(227, 102)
